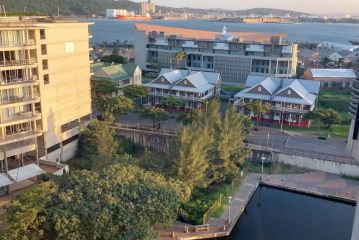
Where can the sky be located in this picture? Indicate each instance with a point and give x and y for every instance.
(311, 6)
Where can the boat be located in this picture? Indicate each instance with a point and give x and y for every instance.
(354, 42)
(133, 18)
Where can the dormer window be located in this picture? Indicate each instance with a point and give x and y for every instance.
(289, 92)
(259, 89)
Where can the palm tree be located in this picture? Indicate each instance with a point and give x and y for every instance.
(180, 56)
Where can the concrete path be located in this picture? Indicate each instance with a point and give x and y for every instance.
(314, 182)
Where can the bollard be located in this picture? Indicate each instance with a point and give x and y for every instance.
(173, 234)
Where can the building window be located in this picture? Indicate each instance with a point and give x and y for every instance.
(45, 64)
(42, 34)
(46, 79)
(43, 49)
(289, 92)
(185, 82)
(259, 89)
(69, 47)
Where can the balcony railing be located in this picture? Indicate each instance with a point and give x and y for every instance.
(290, 109)
(17, 62)
(193, 98)
(14, 81)
(6, 44)
(21, 144)
(20, 116)
(16, 99)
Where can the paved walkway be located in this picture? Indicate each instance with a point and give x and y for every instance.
(314, 182)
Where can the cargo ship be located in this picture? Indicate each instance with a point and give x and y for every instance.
(133, 18)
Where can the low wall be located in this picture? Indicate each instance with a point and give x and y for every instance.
(318, 164)
(156, 140)
(355, 234)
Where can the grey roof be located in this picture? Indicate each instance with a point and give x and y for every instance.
(344, 53)
(306, 89)
(202, 81)
(325, 52)
(307, 53)
(332, 73)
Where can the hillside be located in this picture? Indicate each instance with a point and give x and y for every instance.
(268, 11)
(98, 7)
(67, 7)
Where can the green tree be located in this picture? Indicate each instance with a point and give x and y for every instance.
(230, 150)
(326, 60)
(136, 92)
(258, 108)
(188, 117)
(26, 219)
(113, 59)
(180, 56)
(172, 102)
(114, 106)
(191, 163)
(98, 146)
(119, 202)
(155, 114)
(330, 117)
(104, 87)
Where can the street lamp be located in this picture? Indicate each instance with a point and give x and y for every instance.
(229, 208)
(263, 158)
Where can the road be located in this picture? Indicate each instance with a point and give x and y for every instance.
(276, 139)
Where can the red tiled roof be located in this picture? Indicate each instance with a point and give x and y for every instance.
(202, 34)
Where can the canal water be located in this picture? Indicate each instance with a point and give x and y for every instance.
(276, 214)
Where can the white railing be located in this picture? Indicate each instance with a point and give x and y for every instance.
(159, 94)
(5, 44)
(13, 81)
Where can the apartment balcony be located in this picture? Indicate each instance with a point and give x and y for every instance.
(16, 44)
(182, 97)
(14, 63)
(13, 82)
(20, 118)
(22, 135)
(290, 109)
(19, 146)
(14, 99)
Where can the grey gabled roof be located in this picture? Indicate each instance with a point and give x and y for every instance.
(306, 89)
(202, 81)
(332, 73)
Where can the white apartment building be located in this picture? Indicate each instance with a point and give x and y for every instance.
(234, 55)
(44, 94)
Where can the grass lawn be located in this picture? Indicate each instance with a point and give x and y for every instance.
(337, 100)
(231, 88)
(338, 130)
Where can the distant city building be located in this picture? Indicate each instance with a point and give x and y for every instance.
(331, 78)
(44, 94)
(113, 13)
(192, 87)
(233, 55)
(148, 8)
(122, 74)
(291, 99)
(353, 139)
(339, 46)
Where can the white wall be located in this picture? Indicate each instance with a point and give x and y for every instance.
(317, 164)
(140, 49)
(355, 234)
(353, 146)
